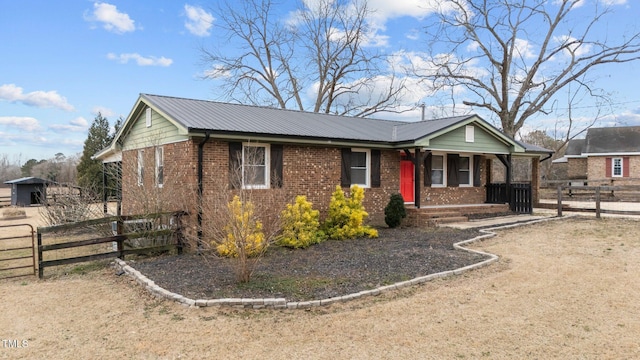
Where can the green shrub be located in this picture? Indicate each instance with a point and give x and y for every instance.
(394, 212)
(347, 216)
(300, 225)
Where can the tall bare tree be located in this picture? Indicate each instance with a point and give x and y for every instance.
(514, 56)
(319, 59)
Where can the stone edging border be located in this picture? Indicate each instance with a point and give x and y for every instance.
(282, 303)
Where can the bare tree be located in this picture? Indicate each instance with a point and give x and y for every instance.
(322, 50)
(9, 170)
(514, 56)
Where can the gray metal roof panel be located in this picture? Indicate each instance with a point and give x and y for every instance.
(216, 116)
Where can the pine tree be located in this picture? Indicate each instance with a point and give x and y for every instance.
(89, 170)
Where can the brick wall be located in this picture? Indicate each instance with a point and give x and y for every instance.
(577, 168)
(178, 190)
(432, 196)
(597, 171)
(309, 170)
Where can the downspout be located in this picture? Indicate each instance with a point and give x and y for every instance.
(200, 186)
(547, 158)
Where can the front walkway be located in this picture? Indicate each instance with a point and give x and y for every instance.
(502, 220)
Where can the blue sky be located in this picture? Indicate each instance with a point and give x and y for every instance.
(62, 62)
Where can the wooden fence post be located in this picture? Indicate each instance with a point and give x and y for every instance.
(120, 241)
(40, 269)
(560, 201)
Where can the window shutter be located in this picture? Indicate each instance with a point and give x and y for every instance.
(625, 166)
(476, 170)
(453, 167)
(345, 173)
(235, 165)
(375, 168)
(276, 166)
(427, 168)
(608, 166)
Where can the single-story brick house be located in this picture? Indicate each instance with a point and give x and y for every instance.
(608, 156)
(186, 147)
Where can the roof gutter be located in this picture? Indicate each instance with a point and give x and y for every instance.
(200, 186)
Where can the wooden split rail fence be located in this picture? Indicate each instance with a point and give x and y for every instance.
(146, 229)
(598, 191)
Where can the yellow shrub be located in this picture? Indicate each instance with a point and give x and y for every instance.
(347, 215)
(300, 224)
(244, 232)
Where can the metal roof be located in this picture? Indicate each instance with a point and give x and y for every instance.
(203, 115)
(28, 181)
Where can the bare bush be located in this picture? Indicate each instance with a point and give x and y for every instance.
(259, 204)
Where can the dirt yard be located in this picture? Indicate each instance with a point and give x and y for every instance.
(564, 289)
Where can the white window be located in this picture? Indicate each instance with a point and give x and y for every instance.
(437, 170)
(159, 166)
(140, 167)
(469, 133)
(148, 117)
(616, 167)
(360, 167)
(464, 173)
(255, 166)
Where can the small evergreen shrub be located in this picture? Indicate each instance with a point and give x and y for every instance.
(244, 233)
(300, 225)
(394, 212)
(347, 216)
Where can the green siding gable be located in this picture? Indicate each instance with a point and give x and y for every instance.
(484, 142)
(161, 131)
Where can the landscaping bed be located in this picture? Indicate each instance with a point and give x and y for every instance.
(329, 269)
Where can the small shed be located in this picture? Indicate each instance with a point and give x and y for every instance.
(28, 191)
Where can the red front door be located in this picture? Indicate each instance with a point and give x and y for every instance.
(406, 180)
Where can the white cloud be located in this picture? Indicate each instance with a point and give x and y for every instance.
(614, 2)
(105, 112)
(524, 49)
(579, 3)
(217, 71)
(78, 124)
(199, 22)
(140, 60)
(20, 122)
(572, 45)
(111, 19)
(41, 99)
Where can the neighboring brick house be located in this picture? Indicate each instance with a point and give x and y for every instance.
(605, 156)
(187, 148)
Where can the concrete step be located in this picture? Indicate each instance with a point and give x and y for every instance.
(449, 220)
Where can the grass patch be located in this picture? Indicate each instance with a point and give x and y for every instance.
(13, 213)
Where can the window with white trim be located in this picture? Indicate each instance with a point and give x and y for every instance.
(437, 170)
(159, 166)
(360, 167)
(255, 168)
(464, 172)
(140, 167)
(616, 167)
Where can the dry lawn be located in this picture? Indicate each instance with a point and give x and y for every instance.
(562, 289)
